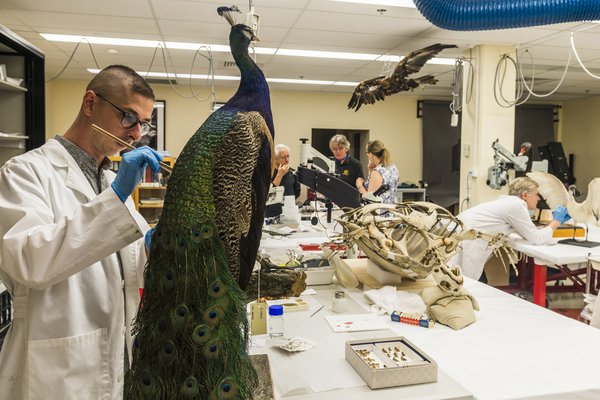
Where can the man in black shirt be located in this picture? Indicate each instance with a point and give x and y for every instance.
(347, 168)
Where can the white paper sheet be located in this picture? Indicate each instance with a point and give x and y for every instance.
(357, 322)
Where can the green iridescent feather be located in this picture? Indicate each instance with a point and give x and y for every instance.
(191, 331)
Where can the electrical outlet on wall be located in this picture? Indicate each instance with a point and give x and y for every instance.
(466, 150)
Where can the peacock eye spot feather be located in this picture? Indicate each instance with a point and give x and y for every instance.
(180, 315)
(169, 279)
(212, 349)
(207, 232)
(213, 315)
(202, 334)
(162, 324)
(190, 387)
(146, 383)
(227, 389)
(217, 289)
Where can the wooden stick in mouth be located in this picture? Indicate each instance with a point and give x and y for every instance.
(96, 128)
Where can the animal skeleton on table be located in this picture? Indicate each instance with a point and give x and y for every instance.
(418, 239)
(372, 90)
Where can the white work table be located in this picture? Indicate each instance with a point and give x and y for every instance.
(515, 350)
(554, 256)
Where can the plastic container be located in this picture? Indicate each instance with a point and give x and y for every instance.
(275, 327)
(340, 304)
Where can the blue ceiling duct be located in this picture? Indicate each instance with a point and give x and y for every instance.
(479, 15)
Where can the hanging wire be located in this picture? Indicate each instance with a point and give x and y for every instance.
(574, 49)
(500, 76)
(210, 76)
(71, 58)
(524, 81)
(521, 82)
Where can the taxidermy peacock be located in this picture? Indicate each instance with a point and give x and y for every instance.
(191, 331)
(372, 90)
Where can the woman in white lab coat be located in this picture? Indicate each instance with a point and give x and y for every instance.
(506, 214)
(70, 257)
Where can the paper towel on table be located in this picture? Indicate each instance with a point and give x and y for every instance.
(387, 300)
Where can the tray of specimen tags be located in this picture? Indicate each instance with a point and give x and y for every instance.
(390, 362)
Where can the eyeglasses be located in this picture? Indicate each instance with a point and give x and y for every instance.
(129, 120)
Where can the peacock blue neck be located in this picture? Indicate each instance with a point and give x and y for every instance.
(253, 93)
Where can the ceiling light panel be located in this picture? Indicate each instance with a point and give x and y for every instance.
(389, 3)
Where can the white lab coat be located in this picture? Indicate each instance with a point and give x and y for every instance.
(58, 241)
(506, 214)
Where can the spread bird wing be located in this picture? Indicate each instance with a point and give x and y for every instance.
(551, 188)
(414, 61)
(592, 201)
(368, 92)
(372, 90)
(236, 194)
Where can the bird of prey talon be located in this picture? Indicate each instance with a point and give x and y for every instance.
(375, 89)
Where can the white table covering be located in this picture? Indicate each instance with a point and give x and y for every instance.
(515, 350)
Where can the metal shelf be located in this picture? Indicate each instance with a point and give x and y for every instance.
(9, 87)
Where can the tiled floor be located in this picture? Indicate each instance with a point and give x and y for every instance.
(568, 312)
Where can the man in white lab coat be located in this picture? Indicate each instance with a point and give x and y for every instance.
(69, 249)
(506, 214)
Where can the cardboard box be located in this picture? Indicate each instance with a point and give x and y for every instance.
(389, 362)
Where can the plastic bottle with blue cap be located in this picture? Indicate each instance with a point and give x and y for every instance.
(275, 327)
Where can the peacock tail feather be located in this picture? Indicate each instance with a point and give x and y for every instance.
(191, 330)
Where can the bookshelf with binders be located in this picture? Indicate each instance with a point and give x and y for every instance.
(149, 195)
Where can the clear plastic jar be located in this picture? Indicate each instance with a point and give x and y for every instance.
(275, 327)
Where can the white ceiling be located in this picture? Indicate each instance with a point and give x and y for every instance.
(290, 24)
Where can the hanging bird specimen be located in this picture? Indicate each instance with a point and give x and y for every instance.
(372, 90)
(191, 331)
(555, 194)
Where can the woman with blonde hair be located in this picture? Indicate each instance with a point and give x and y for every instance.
(382, 173)
(347, 168)
(507, 214)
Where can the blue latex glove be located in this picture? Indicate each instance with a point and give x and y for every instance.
(148, 237)
(131, 170)
(561, 214)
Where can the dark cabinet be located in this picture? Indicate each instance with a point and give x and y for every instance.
(22, 95)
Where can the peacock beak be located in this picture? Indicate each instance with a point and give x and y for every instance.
(254, 38)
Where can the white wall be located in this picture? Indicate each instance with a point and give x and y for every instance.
(581, 136)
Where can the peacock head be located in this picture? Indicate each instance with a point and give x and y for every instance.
(240, 33)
